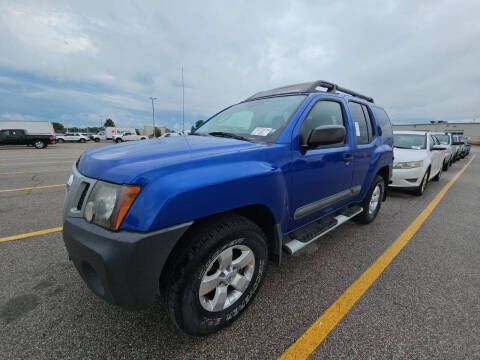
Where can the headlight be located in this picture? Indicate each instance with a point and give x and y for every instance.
(108, 204)
(408, 165)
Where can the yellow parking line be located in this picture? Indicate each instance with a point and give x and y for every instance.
(319, 330)
(32, 188)
(30, 234)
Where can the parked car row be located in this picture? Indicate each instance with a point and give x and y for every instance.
(196, 219)
(421, 156)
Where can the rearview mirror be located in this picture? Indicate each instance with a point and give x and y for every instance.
(326, 135)
(438, 147)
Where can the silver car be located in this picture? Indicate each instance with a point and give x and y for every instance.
(451, 150)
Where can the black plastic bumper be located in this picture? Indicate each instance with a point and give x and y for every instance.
(121, 267)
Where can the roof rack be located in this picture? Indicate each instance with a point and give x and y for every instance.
(309, 87)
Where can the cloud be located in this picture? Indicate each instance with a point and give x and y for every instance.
(17, 116)
(85, 60)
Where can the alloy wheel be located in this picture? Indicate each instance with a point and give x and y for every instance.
(227, 278)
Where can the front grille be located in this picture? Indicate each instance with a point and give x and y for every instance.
(85, 186)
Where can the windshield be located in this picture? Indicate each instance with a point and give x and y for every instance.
(444, 139)
(409, 141)
(258, 120)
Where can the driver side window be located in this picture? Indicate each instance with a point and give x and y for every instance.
(322, 113)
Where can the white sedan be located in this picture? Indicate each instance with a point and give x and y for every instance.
(418, 158)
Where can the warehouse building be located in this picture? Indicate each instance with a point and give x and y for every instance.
(470, 129)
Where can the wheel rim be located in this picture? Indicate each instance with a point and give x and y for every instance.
(226, 278)
(38, 144)
(375, 199)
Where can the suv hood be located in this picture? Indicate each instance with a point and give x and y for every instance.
(402, 155)
(126, 163)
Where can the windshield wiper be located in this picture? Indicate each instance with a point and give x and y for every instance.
(228, 135)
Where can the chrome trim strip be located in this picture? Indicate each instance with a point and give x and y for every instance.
(310, 208)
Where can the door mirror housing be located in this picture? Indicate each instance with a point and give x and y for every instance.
(438, 147)
(326, 135)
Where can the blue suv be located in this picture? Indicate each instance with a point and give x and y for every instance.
(195, 218)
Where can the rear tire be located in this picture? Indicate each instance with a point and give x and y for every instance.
(39, 144)
(81, 140)
(97, 140)
(372, 202)
(215, 256)
(118, 141)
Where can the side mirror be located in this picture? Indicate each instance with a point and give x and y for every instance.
(438, 147)
(326, 135)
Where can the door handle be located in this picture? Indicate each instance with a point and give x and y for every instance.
(347, 157)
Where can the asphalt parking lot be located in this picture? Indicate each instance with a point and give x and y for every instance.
(426, 304)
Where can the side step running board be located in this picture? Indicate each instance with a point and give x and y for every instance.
(321, 228)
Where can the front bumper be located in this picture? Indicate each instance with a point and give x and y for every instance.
(407, 178)
(122, 267)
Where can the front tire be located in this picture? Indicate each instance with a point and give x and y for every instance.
(372, 202)
(61, 141)
(97, 140)
(118, 141)
(217, 275)
(421, 189)
(445, 166)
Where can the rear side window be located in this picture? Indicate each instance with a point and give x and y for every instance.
(363, 133)
(383, 121)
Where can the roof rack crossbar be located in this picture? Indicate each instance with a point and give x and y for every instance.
(310, 87)
(333, 88)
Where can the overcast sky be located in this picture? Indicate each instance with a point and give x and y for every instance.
(82, 61)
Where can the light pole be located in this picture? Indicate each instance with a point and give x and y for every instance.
(183, 103)
(153, 114)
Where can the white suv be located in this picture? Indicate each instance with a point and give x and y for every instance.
(418, 158)
(71, 137)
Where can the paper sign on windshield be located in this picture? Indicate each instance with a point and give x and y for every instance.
(261, 131)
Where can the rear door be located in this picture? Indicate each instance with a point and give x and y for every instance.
(321, 177)
(364, 139)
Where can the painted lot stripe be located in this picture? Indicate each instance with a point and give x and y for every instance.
(319, 330)
(33, 188)
(30, 234)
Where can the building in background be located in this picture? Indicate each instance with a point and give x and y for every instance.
(470, 129)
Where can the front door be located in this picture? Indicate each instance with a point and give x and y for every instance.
(321, 177)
